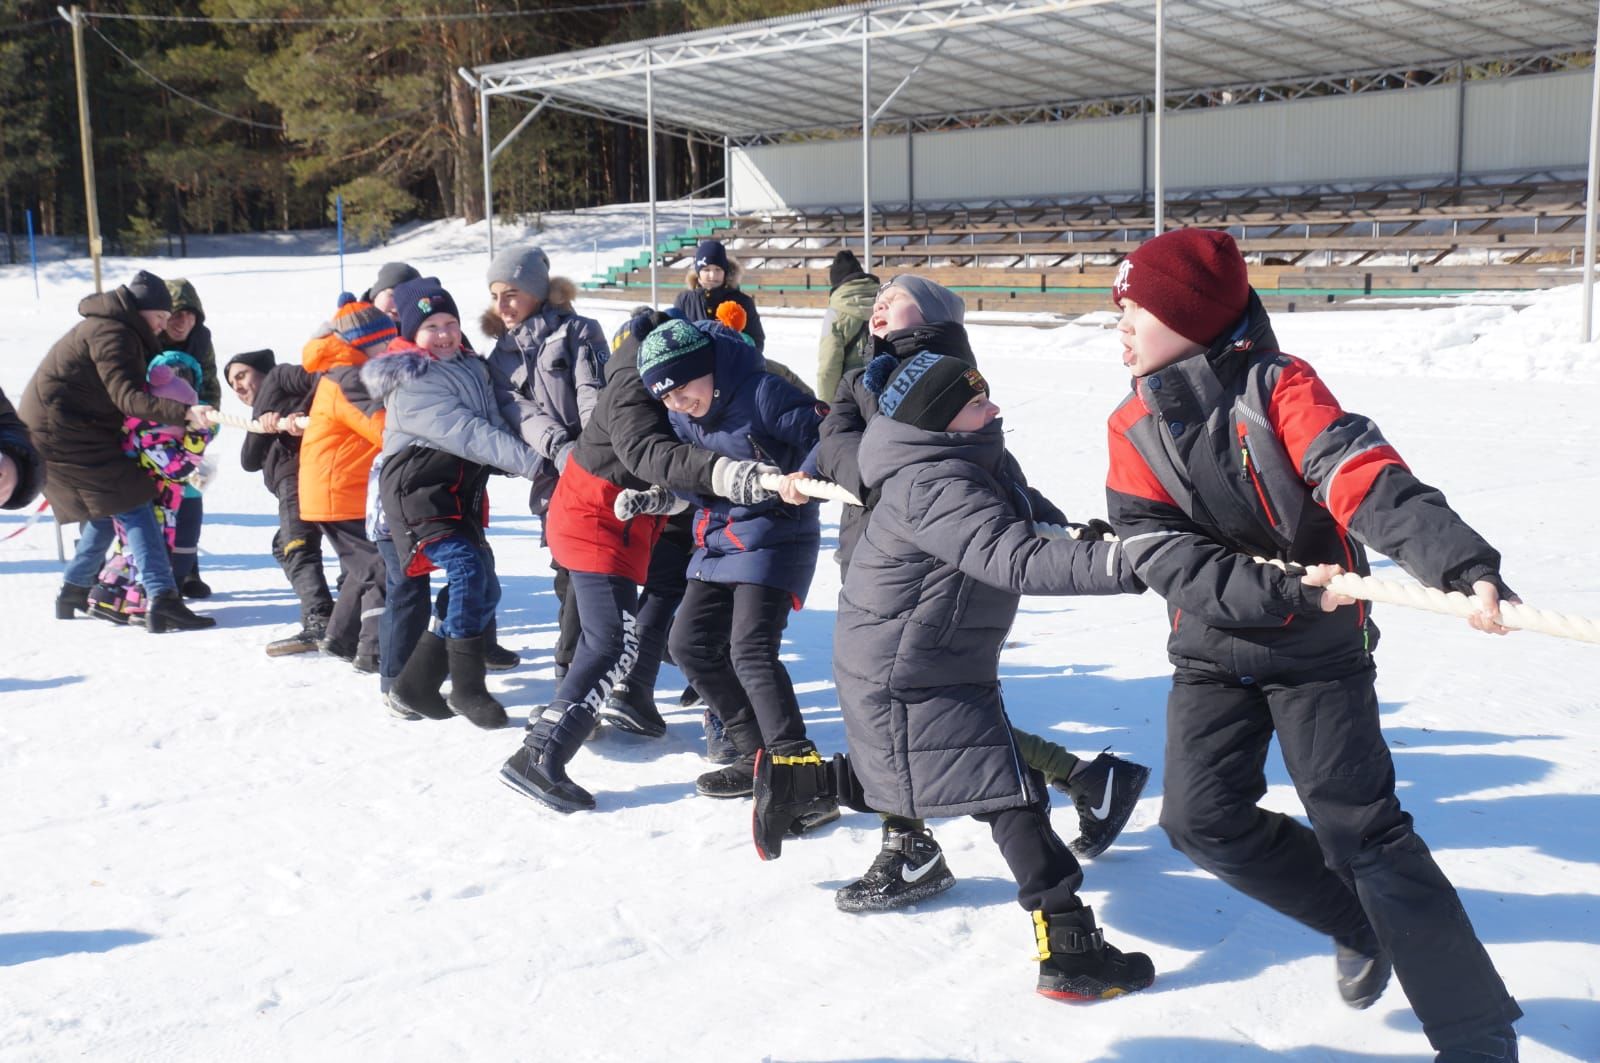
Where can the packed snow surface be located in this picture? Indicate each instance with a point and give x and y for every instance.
(207, 854)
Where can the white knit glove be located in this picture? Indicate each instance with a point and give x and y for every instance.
(740, 481)
(656, 501)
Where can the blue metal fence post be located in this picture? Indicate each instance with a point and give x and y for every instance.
(33, 254)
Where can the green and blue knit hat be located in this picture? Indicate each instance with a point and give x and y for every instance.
(673, 354)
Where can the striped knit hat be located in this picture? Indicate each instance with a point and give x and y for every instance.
(362, 325)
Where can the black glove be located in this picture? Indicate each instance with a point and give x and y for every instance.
(1096, 530)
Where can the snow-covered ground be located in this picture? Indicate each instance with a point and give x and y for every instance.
(207, 854)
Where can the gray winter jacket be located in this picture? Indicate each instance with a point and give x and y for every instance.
(447, 404)
(929, 596)
(554, 362)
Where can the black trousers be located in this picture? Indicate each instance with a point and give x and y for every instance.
(1359, 869)
(297, 547)
(358, 611)
(726, 638)
(186, 540)
(1047, 874)
(571, 630)
(663, 589)
(609, 643)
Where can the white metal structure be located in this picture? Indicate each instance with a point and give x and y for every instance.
(959, 61)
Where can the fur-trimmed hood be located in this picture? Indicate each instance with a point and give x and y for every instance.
(401, 362)
(691, 279)
(561, 295)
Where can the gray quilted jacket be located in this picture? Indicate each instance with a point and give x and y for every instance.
(929, 596)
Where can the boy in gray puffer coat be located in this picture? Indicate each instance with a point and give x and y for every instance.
(930, 595)
(553, 361)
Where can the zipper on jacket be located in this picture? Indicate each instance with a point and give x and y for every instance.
(1244, 458)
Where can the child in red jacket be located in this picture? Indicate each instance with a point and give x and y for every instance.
(1228, 448)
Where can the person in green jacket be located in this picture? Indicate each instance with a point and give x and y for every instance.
(186, 332)
(846, 339)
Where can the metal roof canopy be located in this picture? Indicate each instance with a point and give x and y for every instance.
(848, 68)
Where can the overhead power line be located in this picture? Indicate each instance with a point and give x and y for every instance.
(242, 120)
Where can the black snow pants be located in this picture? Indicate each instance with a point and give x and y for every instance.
(297, 547)
(1359, 870)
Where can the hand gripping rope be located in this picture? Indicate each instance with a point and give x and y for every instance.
(823, 489)
(232, 421)
(1416, 596)
(1454, 603)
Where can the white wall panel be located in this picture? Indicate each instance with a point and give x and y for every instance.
(1522, 123)
(1528, 123)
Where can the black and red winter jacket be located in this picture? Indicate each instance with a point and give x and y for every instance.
(1244, 451)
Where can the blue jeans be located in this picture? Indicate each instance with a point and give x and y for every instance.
(474, 587)
(145, 542)
(405, 615)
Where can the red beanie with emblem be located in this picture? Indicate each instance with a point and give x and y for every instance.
(1193, 280)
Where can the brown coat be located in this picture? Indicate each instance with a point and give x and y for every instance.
(92, 379)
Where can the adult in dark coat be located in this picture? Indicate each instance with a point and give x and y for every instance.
(75, 405)
(21, 468)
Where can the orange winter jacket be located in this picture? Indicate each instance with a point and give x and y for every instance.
(345, 434)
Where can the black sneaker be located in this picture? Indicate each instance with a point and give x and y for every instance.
(719, 747)
(736, 780)
(909, 868)
(1364, 971)
(1076, 964)
(303, 641)
(1104, 794)
(633, 711)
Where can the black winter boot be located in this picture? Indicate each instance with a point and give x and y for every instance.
(1104, 793)
(1075, 963)
(71, 601)
(1364, 970)
(794, 793)
(909, 868)
(539, 768)
(416, 688)
(468, 696)
(193, 585)
(496, 657)
(633, 710)
(736, 780)
(168, 613)
(1497, 1047)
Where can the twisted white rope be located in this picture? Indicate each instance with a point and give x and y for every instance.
(1454, 603)
(1061, 531)
(234, 421)
(822, 489)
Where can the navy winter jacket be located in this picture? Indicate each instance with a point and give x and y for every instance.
(754, 415)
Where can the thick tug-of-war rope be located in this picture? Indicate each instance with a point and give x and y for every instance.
(1454, 603)
(233, 421)
(822, 489)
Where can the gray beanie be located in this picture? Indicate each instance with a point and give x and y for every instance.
(392, 275)
(150, 291)
(936, 302)
(526, 269)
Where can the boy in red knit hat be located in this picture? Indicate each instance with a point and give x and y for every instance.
(1228, 448)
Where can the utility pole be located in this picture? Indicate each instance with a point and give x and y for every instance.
(75, 16)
